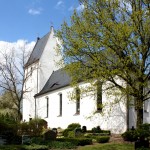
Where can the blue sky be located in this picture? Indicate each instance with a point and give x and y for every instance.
(27, 19)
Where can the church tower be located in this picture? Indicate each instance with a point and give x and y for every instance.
(39, 67)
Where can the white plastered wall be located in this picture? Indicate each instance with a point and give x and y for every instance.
(113, 119)
(31, 87)
(42, 70)
(48, 60)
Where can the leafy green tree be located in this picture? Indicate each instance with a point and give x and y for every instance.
(109, 39)
(8, 105)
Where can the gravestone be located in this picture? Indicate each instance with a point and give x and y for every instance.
(26, 139)
(49, 135)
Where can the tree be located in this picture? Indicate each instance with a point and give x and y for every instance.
(13, 78)
(7, 105)
(109, 39)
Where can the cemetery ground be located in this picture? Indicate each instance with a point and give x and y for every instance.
(35, 135)
(116, 142)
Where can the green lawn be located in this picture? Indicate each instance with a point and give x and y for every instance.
(108, 146)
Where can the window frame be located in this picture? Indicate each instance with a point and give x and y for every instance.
(47, 106)
(78, 98)
(99, 96)
(60, 104)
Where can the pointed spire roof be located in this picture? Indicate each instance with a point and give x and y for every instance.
(38, 48)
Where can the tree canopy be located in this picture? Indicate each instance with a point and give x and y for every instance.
(110, 38)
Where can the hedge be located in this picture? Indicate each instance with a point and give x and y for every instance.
(77, 141)
(102, 139)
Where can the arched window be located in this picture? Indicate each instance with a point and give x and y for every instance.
(47, 107)
(60, 104)
(99, 95)
(78, 92)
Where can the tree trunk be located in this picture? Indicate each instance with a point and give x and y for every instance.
(139, 120)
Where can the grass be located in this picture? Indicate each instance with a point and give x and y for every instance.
(108, 146)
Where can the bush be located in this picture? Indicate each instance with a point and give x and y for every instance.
(102, 139)
(96, 129)
(73, 126)
(71, 134)
(34, 147)
(60, 145)
(130, 135)
(84, 141)
(37, 140)
(77, 141)
(88, 135)
(141, 133)
(33, 127)
(66, 132)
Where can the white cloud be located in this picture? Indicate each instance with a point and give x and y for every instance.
(60, 5)
(16, 47)
(80, 7)
(35, 11)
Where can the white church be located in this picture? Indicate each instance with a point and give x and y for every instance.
(48, 97)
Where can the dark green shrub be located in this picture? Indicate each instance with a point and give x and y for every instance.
(96, 129)
(61, 145)
(141, 144)
(88, 135)
(34, 147)
(77, 141)
(72, 126)
(84, 141)
(78, 132)
(23, 128)
(65, 132)
(71, 134)
(37, 140)
(33, 127)
(75, 127)
(36, 126)
(106, 132)
(141, 133)
(130, 135)
(102, 139)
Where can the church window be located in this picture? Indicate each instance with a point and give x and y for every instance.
(47, 107)
(99, 96)
(78, 92)
(31, 71)
(60, 104)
